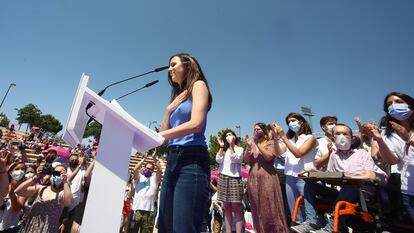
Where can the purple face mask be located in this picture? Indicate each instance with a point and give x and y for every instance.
(259, 134)
(147, 172)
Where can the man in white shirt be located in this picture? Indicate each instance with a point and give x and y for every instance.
(146, 187)
(322, 155)
(79, 176)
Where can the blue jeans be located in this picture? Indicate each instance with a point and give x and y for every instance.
(408, 201)
(294, 189)
(185, 190)
(313, 189)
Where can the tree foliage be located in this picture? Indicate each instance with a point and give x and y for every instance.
(50, 124)
(32, 116)
(93, 129)
(214, 147)
(29, 114)
(4, 120)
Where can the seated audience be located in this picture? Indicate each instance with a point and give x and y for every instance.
(354, 163)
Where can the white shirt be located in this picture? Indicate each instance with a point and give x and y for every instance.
(8, 217)
(76, 187)
(322, 147)
(396, 146)
(293, 165)
(230, 163)
(323, 143)
(407, 182)
(145, 191)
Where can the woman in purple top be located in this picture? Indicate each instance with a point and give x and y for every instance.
(185, 188)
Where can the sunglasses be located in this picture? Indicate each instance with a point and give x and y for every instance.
(56, 173)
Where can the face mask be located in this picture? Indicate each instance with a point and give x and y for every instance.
(259, 134)
(73, 164)
(17, 175)
(28, 175)
(329, 128)
(147, 172)
(49, 159)
(400, 111)
(294, 126)
(229, 139)
(56, 180)
(342, 142)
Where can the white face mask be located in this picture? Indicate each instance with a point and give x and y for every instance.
(329, 128)
(229, 139)
(342, 142)
(17, 175)
(28, 175)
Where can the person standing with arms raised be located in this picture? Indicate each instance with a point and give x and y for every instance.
(230, 185)
(185, 188)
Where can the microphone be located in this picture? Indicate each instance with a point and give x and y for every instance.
(101, 92)
(146, 85)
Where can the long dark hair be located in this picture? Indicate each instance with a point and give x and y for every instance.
(193, 74)
(385, 121)
(223, 138)
(304, 128)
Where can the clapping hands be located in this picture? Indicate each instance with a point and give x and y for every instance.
(277, 130)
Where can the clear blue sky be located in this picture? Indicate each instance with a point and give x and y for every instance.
(263, 59)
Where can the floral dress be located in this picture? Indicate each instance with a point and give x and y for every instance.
(44, 215)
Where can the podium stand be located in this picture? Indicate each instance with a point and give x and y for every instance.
(120, 133)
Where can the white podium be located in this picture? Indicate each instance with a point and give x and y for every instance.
(120, 133)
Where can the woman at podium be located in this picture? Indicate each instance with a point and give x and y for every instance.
(185, 188)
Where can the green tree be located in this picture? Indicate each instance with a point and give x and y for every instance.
(29, 114)
(93, 129)
(50, 124)
(4, 120)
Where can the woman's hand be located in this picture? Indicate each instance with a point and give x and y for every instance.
(220, 142)
(249, 142)
(82, 160)
(278, 131)
(401, 131)
(64, 176)
(371, 130)
(177, 101)
(358, 121)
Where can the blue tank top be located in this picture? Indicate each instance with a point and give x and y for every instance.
(181, 115)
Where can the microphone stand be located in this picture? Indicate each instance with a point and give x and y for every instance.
(101, 92)
(129, 93)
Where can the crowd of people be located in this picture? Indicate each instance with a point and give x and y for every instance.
(279, 162)
(46, 194)
(49, 195)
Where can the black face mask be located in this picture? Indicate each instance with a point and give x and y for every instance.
(73, 164)
(50, 159)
